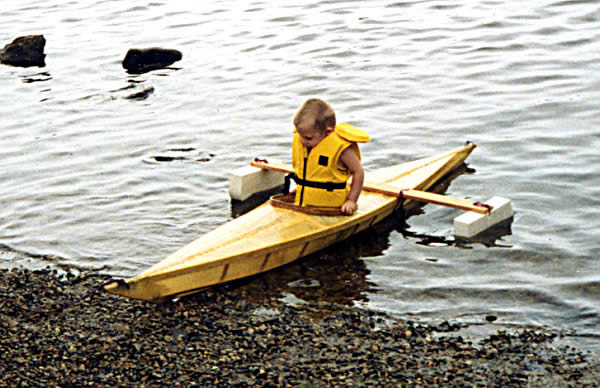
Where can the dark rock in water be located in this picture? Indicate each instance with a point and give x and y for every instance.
(143, 60)
(25, 51)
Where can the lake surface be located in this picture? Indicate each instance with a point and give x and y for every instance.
(95, 180)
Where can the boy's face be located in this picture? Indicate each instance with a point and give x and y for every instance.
(310, 137)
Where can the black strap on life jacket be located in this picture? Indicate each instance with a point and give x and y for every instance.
(329, 186)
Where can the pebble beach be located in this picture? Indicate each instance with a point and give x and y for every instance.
(60, 330)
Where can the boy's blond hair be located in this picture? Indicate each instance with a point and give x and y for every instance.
(315, 113)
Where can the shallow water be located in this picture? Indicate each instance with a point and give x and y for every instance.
(92, 179)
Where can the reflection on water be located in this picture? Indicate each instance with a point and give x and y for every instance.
(335, 275)
(39, 77)
(490, 238)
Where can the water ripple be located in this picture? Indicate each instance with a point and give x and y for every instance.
(94, 179)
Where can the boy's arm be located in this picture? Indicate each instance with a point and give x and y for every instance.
(351, 161)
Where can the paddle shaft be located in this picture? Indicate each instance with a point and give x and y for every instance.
(416, 195)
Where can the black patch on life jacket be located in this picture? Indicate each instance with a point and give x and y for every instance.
(323, 160)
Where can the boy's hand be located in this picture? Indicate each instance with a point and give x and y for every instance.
(349, 207)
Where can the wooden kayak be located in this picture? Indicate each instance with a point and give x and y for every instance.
(269, 237)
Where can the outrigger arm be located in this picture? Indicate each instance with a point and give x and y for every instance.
(263, 175)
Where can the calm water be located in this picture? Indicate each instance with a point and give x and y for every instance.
(84, 184)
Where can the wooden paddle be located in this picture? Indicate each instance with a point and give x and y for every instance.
(417, 195)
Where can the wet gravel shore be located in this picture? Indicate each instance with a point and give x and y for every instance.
(56, 331)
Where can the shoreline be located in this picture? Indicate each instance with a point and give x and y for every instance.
(55, 330)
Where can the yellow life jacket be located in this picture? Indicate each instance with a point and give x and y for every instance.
(319, 179)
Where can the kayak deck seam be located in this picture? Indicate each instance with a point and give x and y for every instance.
(222, 244)
(405, 173)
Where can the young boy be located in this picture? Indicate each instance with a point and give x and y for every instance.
(324, 157)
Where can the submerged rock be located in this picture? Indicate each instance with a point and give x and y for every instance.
(143, 60)
(25, 51)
